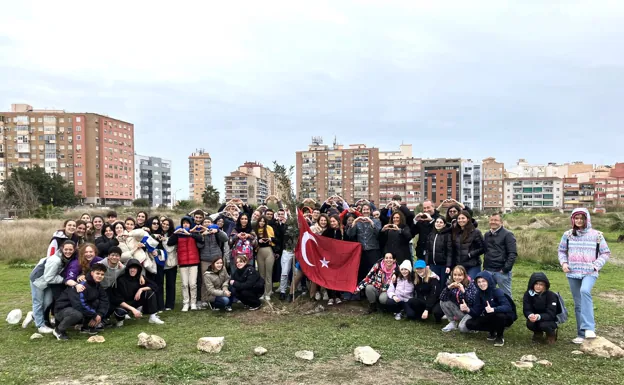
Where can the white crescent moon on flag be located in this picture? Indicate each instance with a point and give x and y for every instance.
(304, 240)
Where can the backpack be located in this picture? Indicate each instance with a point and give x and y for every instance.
(562, 311)
(243, 247)
(38, 271)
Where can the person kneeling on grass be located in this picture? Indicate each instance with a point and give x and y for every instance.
(131, 294)
(88, 306)
(246, 284)
(540, 308)
(401, 290)
(456, 299)
(492, 311)
(426, 300)
(216, 282)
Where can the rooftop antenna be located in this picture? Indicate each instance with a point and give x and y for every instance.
(317, 140)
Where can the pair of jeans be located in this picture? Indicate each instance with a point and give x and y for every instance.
(394, 306)
(583, 303)
(221, 302)
(473, 271)
(41, 300)
(286, 263)
(503, 281)
(440, 271)
(68, 317)
(249, 297)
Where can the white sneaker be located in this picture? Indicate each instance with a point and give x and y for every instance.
(450, 327)
(153, 319)
(119, 324)
(193, 307)
(397, 316)
(325, 296)
(185, 307)
(317, 296)
(45, 330)
(578, 340)
(590, 334)
(27, 320)
(330, 302)
(444, 317)
(337, 301)
(267, 298)
(128, 316)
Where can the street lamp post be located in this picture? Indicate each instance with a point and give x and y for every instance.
(174, 197)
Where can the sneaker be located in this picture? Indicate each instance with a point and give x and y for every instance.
(330, 302)
(90, 331)
(267, 298)
(590, 334)
(228, 309)
(61, 336)
(45, 330)
(27, 320)
(325, 296)
(193, 307)
(578, 340)
(444, 317)
(499, 341)
(450, 327)
(119, 324)
(155, 320)
(337, 301)
(397, 316)
(255, 308)
(168, 309)
(282, 296)
(317, 296)
(185, 307)
(127, 316)
(491, 337)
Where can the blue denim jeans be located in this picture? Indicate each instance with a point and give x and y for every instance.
(41, 299)
(503, 281)
(583, 303)
(221, 302)
(440, 272)
(473, 271)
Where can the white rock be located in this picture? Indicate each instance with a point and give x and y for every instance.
(36, 336)
(305, 355)
(210, 344)
(151, 341)
(601, 347)
(366, 355)
(544, 362)
(522, 364)
(577, 352)
(528, 358)
(260, 351)
(464, 361)
(96, 339)
(14, 317)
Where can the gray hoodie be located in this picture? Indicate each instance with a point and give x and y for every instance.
(111, 275)
(210, 248)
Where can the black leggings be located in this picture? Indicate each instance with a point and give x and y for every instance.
(147, 300)
(542, 326)
(491, 322)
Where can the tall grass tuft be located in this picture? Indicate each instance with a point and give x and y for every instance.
(26, 239)
(538, 246)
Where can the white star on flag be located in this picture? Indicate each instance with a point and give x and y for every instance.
(324, 263)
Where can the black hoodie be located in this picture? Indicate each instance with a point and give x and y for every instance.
(248, 278)
(544, 304)
(127, 286)
(92, 302)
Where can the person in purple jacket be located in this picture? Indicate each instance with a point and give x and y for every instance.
(401, 290)
(75, 273)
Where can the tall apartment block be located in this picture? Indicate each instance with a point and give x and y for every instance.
(533, 193)
(351, 172)
(200, 174)
(441, 177)
(470, 184)
(252, 183)
(400, 174)
(577, 194)
(493, 173)
(93, 152)
(152, 180)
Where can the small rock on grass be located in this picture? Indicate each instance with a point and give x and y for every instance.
(522, 364)
(36, 336)
(366, 355)
(544, 362)
(210, 344)
(577, 352)
(260, 351)
(151, 341)
(528, 358)
(464, 361)
(96, 339)
(305, 355)
(601, 347)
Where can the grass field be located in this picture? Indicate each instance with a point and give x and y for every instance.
(407, 348)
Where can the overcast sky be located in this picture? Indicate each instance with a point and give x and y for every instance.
(255, 80)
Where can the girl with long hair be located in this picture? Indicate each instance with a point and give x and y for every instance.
(468, 244)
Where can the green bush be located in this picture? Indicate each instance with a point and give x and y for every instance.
(538, 246)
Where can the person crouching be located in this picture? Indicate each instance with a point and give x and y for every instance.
(540, 308)
(246, 284)
(133, 296)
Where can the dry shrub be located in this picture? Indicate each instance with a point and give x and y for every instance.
(26, 239)
(538, 246)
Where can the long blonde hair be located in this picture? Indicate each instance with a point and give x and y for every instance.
(417, 279)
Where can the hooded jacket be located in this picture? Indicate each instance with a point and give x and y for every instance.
(216, 283)
(403, 288)
(397, 243)
(57, 240)
(49, 270)
(427, 291)
(543, 304)
(586, 252)
(439, 249)
(131, 250)
(127, 285)
(500, 250)
(211, 246)
(422, 229)
(248, 278)
(188, 254)
(468, 252)
(73, 270)
(104, 244)
(281, 231)
(92, 302)
(492, 295)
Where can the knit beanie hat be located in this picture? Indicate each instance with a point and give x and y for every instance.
(406, 265)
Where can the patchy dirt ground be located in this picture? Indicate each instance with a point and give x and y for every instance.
(615, 296)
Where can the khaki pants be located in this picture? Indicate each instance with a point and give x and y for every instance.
(266, 259)
(189, 285)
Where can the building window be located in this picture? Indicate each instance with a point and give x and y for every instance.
(78, 118)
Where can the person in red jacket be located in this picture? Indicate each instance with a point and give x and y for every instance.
(186, 238)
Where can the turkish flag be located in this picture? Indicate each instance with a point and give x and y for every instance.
(328, 262)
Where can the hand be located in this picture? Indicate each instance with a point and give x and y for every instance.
(231, 281)
(464, 307)
(137, 296)
(532, 317)
(140, 245)
(80, 288)
(136, 313)
(461, 287)
(81, 278)
(142, 280)
(396, 299)
(92, 323)
(227, 293)
(448, 270)
(489, 308)
(393, 278)
(425, 315)
(452, 285)
(565, 267)
(155, 253)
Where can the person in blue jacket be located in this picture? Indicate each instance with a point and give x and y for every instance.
(492, 310)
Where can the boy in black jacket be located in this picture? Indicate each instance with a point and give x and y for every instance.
(89, 306)
(133, 296)
(540, 308)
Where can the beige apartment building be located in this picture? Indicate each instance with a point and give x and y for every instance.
(400, 174)
(252, 183)
(93, 152)
(351, 172)
(200, 174)
(493, 174)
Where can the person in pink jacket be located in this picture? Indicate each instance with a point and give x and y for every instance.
(401, 290)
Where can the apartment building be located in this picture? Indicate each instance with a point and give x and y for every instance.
(92, 152)
(200, 174)
(524, 169)
(441, 179)
(351, 172)
(533, 193)
(152, 180)
(493, 173)
(470, 184)
(400, 174)
(577, 194)
(252, 183)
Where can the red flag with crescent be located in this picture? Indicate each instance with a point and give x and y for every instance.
(330, 263)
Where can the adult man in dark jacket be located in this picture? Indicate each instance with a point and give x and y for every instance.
(89, 306)
(500, 253)
(422, 226)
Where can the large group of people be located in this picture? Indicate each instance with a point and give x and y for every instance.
(100, 272)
